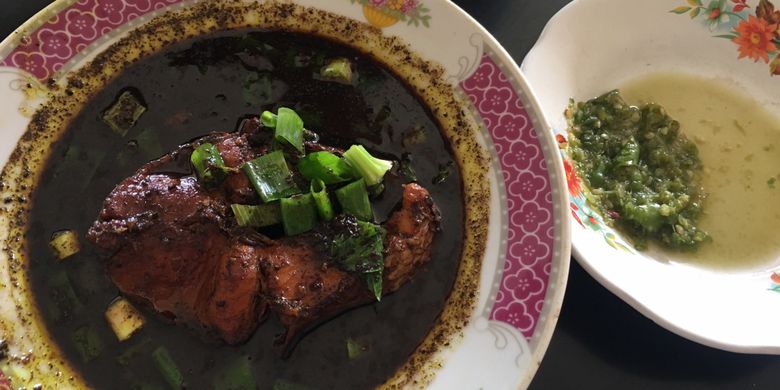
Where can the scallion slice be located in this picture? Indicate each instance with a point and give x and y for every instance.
(353, 199)
(299, 214)
(168, 368)
(257, 215)
(325, 166)
(370, 168)
(271, 177)
(124, 113)
(338, 69)
(288, 125)
(321, 199)
(208, 164)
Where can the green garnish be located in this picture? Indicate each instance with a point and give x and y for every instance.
(271, 177)
(87, 342)
(124, 113)
(353, 199)
(64, 302)
(288, 127)
(362, 251)
(771, 182)
(299, 214)
(208, 164)
(370, 168)
(237, 376)
(337, 69)
(322, 200)
(325, 166)
(642, 173)
(257, 215)
(355, 348)
(445, 170)
(406, 169)
(168, 368)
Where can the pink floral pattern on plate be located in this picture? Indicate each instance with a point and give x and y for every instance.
(44, 51)
(531, 228)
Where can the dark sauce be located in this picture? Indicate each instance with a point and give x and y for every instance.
(206, 85)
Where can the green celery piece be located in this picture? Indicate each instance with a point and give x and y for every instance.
(321, 199)
(370, 168)
(338, 69)
(299, 214)
(167, 367)
(353, 199)
(208, 164)
(271, 177)
(124, 113)
(325, 166)
(257, 215)
(87, 343)
(289, 128)
(237, 376)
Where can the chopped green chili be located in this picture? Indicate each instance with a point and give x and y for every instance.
(325, 166)
(257, 215)
(321, 199)
(353, 199)
(271, 177)
(299, 214)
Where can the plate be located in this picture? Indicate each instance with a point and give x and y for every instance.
(521, 273)
(591, 47)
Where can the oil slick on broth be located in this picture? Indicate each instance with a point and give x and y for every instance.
(739, 145)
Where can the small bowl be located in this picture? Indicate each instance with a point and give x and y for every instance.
(591, 47)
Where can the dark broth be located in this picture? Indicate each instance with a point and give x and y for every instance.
(206, 85)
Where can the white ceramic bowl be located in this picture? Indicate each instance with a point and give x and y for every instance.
(591, 47)
(523, 273)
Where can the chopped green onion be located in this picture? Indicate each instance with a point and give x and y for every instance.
(124, 113)
(271, 177)
(269, 119)
(415, 136)
(322, 200)
(374, 283)
(406, 169)
(257, 215)
(362, 251)
(124, 318)
(64, 301)
(338, 69)
(288, 125)
(87, 343)
(168, 368)
(131, 352)
(325, 166)
(353, 199)
(445, 170)
(237, 376)
(370, 168)
(281, 384)
(355, 348)
(299, 214)
(208, 164)
(65, 243)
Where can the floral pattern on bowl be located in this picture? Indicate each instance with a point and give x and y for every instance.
(756, 32)
(385, 13)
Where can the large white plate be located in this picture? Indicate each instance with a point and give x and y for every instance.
(526, 263)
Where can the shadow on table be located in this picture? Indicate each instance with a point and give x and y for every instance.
(604, 341)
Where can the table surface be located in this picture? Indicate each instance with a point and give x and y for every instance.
(600, 342)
